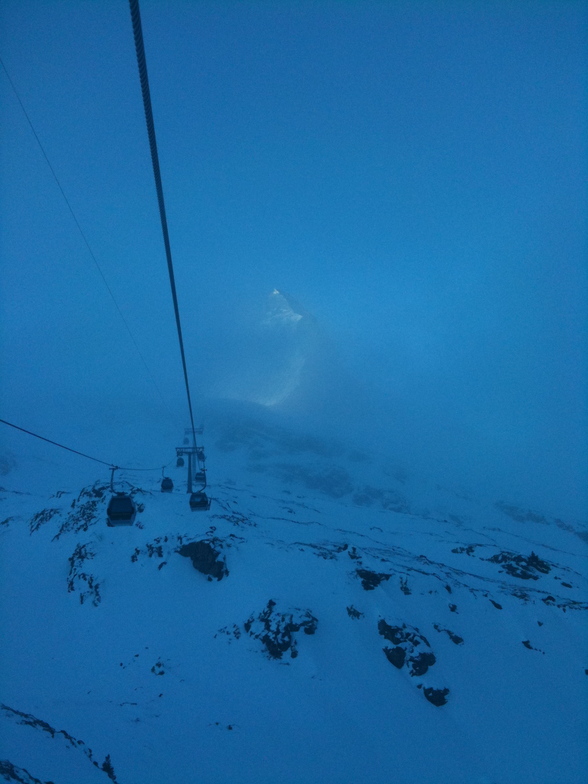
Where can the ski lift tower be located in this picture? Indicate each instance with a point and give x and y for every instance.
(196, 467)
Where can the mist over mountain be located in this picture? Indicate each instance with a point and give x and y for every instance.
(428, 413)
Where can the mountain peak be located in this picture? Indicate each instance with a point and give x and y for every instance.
(283, 309)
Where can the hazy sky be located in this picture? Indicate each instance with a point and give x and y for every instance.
(414, 173)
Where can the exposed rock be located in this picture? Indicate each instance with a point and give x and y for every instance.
(527, 644)
(529, 567)
(108, 768)
(396, 656)
(525, 568)
(230, 631)
(276, 630)
(84, 514)
(353, 613)
(404, 586)
(78, 579)
(420, 663)
(406, 640)
(369, 579)
(37, 520)
(401, 634)
(29, 720)
(469, 550)
(436, 696)
(10, 772)
(453, 637)
(328, 551)
(205, 559)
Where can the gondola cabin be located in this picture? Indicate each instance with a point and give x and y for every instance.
(180, 462)
(167, 485)
(199, 502)
(121, 510)
(200, 477)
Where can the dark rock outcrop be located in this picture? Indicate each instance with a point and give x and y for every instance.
(406, 640)
(396, 656)
(276, 630)
(452, 636)
(369, 579)
(78, 579)
(85, 510)
(436, 696)
(523, 567)
(205, 558)
(411, 650)
(527, 644)
(42, 517)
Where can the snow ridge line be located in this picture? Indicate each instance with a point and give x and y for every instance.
(29, 720)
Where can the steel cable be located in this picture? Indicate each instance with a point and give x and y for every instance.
(82, 454)
(146, 93)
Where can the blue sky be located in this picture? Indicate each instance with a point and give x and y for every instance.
(414, 173)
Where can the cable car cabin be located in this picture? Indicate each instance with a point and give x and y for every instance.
(179, 462)
(200, 478)
(167, 485)
(121, 510)
(199, 502)
(200, 454)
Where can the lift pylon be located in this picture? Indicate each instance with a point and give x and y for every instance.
(196, 469)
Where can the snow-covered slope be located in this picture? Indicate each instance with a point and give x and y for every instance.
(331, 619)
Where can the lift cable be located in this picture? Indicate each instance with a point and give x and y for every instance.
(142, 64)
(82, 454)
(22, 106)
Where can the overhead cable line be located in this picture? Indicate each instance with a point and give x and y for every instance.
(91, 252)
(76, 452)
(142, 64)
